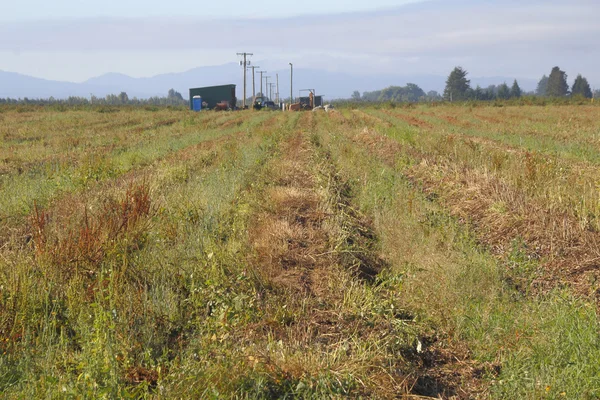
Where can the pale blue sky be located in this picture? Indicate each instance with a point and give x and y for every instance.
(74, 40)
(44, 9)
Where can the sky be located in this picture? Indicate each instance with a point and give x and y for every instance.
(43, 9)
(73, 40)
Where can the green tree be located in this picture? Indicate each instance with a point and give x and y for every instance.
(355, 95)
(491, 92)
(432, 95)
(581, 87)
(542, 87)
(413, 93)
(503, 92)
(457, 85)
(557, 83)
(175, 95)
(408, 93)
(123, 98)
(515, 90)
(478, 93)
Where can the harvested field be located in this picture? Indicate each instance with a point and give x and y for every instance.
(423, 252)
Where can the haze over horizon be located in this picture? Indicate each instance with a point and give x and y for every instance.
(74, 42)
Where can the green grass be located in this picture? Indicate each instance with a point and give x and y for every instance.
(547, 345)
(49, 180)
(282, 255)
(144, 301)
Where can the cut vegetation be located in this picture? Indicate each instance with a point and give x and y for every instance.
(424, 252)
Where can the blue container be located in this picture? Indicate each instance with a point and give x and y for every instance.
(197, 103)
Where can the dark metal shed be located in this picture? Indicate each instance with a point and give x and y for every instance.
(214, 94)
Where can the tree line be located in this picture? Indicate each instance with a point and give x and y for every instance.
(173, 98)
(555, 86)
(409, 93)
(458, 88)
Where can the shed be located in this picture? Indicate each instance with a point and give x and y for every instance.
(214, 94)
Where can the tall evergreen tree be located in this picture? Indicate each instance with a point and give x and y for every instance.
(557, 83)
(432, 95)
(503, 91)
(515, 90)
(478, 93)
(123, 98)
(174, 95)
(581, 87)
(542, 87)
(457, 85)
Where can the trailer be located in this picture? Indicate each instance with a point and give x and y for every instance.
(214, 95)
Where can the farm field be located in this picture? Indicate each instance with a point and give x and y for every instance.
(418, 252)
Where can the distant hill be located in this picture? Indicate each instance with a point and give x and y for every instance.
(330, 84)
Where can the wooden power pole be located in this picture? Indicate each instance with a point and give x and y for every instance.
(253, 85)
(277, 76)
(261, 81)
(244, 64)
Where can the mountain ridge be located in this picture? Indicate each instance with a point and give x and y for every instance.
(330, 84)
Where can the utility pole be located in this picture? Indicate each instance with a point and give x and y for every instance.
(267, 84)
(291, 83)
(261, 81)
(277, 75)
(244, 65)
(271, 90)
(253, 85)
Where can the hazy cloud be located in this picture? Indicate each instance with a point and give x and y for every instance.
(528, 36)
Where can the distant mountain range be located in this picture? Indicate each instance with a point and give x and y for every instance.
(330, 84)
